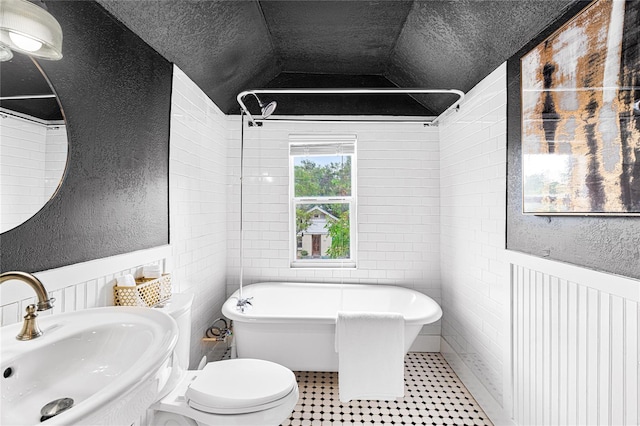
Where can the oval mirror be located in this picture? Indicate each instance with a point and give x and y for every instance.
(33, 141)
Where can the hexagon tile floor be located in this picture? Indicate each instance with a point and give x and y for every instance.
(434, 395)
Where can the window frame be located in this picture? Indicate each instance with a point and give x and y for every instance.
(351, 200)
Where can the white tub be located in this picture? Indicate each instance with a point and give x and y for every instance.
(293, 324)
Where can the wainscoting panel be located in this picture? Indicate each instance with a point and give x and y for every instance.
(79, 286)
(575, 349)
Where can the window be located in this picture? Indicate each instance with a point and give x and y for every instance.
(323, 206)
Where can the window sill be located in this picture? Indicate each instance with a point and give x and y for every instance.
(323, 264)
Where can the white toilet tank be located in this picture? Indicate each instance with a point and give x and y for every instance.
(179, 307)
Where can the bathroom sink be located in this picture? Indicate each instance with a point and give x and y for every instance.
(113, 362)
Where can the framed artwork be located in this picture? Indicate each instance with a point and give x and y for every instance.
(580, 92)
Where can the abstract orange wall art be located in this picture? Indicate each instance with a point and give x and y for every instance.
(580, 93)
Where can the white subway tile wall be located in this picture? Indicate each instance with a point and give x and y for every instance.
(398, 206)
(55, 157)
(472, 209)
(31, 155)
(198, 205)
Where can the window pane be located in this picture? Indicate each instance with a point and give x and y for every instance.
(322, 231)
(322, 176)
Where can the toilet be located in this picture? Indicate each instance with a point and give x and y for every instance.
(229, 392)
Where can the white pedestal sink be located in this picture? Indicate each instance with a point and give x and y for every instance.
(113, 362)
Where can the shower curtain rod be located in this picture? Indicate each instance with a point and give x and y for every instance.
(426, 120)
(357, 91)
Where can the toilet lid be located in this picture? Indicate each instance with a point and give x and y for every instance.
(240, 386)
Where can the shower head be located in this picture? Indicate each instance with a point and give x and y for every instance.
(266, 109)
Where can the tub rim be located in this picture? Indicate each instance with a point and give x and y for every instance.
(229, 311)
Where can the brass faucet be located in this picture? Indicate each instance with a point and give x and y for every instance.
(30, 329)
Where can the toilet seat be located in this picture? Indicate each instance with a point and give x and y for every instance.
(270, 413)
(238, 386)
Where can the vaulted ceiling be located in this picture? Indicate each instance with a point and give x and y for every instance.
(230, 46)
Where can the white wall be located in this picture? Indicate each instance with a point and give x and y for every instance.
(473, 187)
(397, 196)
(537, 342)
(33, 155)
(55, 159)
(198, 204)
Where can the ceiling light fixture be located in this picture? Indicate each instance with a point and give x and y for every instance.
(29, 29)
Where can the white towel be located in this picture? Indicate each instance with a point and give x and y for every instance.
(151, 271)
(126, 281)
(370, 348)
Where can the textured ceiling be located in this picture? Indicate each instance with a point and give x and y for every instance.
(223, 46)
(230, 46)
(455, 44)
(334, 37)
(234, 45)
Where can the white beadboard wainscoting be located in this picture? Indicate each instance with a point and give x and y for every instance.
(79, 286)
(575, 344)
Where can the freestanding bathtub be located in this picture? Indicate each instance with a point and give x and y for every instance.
(293, 324)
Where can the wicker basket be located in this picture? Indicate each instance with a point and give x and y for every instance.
(147, 292)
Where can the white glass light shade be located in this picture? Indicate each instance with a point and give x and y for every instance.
(23, 26)
(25, 43)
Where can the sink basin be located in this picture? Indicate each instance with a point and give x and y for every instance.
(113, 362)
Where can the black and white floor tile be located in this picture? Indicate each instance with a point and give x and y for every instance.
(434, 395)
